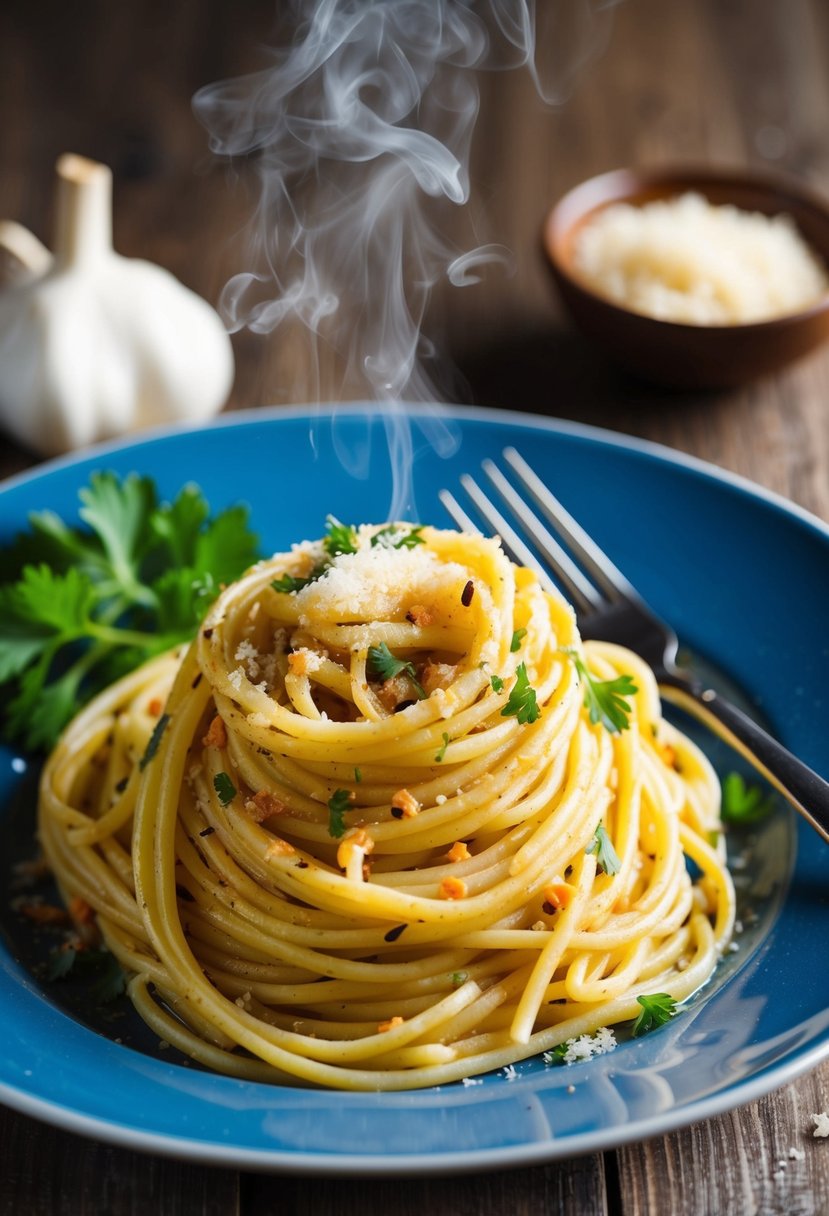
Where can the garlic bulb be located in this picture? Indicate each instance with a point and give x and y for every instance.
(92, 344)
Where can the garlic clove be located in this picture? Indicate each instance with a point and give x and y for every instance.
(22, 255)
(97, 345)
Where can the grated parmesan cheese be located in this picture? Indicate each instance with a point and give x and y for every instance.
(821, 1123)
(683, 259)
(586, 1046)
(247, 653)
(371, 583)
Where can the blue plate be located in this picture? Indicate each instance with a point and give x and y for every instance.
(745, 578)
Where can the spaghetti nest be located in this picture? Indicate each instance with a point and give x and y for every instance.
(380, 836)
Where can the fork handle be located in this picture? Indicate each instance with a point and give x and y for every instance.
(807, 792)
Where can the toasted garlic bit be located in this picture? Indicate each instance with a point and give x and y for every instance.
(385, 1027)
(558, 894)
(93, 345)
(452, 888)
(437, 675)
(216, 734)
(264, 804)
(459, 852)
(279, 848)
(418, 614)
(352, 852)
(406, 803)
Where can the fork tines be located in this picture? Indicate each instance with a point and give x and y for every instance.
(608, 584)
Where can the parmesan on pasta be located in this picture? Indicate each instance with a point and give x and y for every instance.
(376, 839)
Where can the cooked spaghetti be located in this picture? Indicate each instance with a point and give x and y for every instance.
(374, 831)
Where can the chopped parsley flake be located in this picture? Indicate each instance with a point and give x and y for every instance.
(338, 804)
(102, 967)
(517, 639)
(522, 702)
(224, 787)
(606, 855)
(341, 538)
(286, 583)
(155, 740)
(743, 803)
(656, 1011)
(394, 537)
(383, 664)
(556, 1054)
(497, 683)
(442, 752)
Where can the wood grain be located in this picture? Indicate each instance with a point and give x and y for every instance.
(46, 1172)
(743, 82)
(573, 1187)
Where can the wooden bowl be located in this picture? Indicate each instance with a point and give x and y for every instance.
(671, 353)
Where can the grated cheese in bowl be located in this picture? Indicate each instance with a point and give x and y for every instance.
(685, 259)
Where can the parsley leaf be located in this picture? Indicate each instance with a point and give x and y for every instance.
(606, 855)
(743, 803)
(103, 968)
(605, 699)
(656, 1011)
(81, 605)
(442, 752)
(341, 538)
(383, 664)
(517, 639)
(287, 582)
(60, 964)
(394, 537)
(556, 1054)
(224, 787)
(522, 701)
(110, 983)
(338, 804)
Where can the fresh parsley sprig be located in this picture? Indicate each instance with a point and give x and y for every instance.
(657, 1009)
(743, 804)
(82, 605)
(340, 538)
(522, 701)
(604, 699)
(606, 855)
(385, 666)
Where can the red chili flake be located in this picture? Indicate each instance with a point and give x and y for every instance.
(467, 593)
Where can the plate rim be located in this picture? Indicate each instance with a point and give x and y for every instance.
(330, 1163)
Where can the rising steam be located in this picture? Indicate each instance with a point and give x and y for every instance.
(361, 127)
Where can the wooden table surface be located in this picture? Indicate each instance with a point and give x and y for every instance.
(742, 82)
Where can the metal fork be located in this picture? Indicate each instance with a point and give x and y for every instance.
(610, 609)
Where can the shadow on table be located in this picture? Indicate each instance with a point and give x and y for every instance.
(559, 373)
